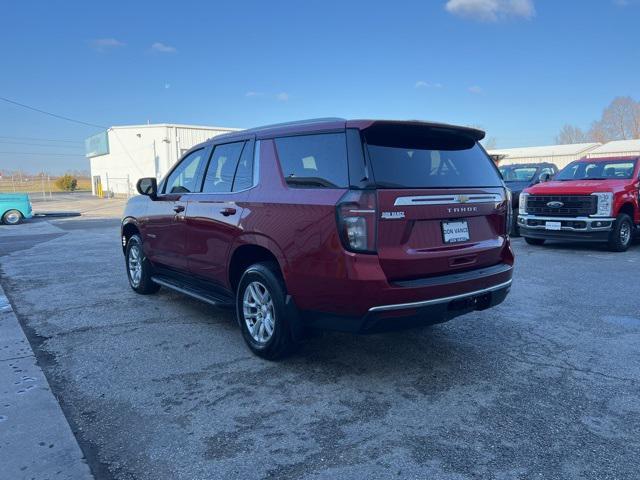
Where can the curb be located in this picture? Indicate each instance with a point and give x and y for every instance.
(36, 440)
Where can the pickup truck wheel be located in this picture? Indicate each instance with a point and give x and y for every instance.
(534, 241)
(621, 233)
(12, 217)
(260, 307)
(139, 268)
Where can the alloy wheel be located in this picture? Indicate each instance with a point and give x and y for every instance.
(135, 265)
(258, 312)
(625, 233)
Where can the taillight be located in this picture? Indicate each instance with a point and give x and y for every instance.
(509, 213)
(357, 216)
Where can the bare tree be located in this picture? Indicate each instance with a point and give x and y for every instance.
(570, 134)
(621, 119)
(597, 133)
(490, 143)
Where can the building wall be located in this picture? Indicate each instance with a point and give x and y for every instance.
(143, 151)
(561, 161)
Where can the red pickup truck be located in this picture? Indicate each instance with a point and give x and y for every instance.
(592, 199)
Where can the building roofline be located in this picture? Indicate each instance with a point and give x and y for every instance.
(181, 125)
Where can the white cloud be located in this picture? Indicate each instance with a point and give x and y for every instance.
(253, 94)
(476, 90)
(491, 10)
(162, 48)
(102, 44)
(423, 84)
(282, 97)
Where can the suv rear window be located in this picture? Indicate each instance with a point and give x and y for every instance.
(314, 161)
(428, 158)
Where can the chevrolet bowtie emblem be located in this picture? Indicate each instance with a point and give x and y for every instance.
(463, 198)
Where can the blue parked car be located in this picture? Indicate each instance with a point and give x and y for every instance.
(14, 207)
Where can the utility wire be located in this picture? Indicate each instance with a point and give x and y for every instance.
(51, 114)
(45, 153)
(40, 144)
(42, 139)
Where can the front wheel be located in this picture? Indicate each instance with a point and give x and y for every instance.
(12, 217)
(534, 241)
(139, 268)
(260, 307)
(621, 233)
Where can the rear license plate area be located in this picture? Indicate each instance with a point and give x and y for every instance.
(455, 231)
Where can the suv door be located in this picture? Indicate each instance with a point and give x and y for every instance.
(163, 229)
(213, 216)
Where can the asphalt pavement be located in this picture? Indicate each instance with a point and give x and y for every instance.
(546, 385)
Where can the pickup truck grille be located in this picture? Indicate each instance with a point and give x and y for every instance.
(572, 205)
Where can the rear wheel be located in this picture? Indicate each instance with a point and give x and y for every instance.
(621, 233)
(12, 217)
(139, 269)
(534, 241)
(260, 307)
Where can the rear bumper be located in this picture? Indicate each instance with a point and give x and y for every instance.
(572, 228)
(492, 286)
(401, 316)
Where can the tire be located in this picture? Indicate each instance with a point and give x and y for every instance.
(621, 234)
(12, 217)
(139, 269)
(534, 241)
(262, 285)
(515, 228)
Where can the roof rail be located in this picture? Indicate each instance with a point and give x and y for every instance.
(309, 121)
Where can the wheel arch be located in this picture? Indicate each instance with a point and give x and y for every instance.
(129, 228)
(629, 209)
(251, 249)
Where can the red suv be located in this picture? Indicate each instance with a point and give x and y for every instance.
(359, 225)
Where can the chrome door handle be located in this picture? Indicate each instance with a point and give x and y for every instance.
(228, 211)
(178, 208)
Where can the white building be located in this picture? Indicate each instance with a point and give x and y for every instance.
(561, 155)
(617, 148)
(121, 155)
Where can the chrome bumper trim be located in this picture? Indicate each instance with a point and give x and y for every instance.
(588, 222)
(449, 199)
(435, 301)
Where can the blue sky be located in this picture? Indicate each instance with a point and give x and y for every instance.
(518, 68)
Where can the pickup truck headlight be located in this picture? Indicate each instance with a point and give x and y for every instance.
(522, 205)
(604, 205)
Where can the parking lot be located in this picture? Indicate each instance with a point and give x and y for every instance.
(546, 385)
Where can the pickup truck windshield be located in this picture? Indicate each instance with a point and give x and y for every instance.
(603, 170)
(518, 174)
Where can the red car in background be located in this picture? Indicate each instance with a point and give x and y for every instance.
(593, 199)
(360, 225)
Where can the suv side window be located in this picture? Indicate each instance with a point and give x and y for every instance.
(244, 173)
(548, 170)
(184, 178)
(222, 168)
(314, 161)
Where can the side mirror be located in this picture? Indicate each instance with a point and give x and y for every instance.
(148, 186)
(544, 177)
